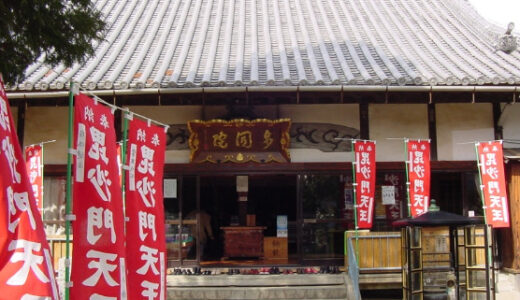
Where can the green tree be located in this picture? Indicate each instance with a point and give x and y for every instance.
(63, 31)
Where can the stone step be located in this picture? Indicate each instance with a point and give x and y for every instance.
(274, 286)
(508, 282)
(256, 280)
(383, 281)
(300, 292)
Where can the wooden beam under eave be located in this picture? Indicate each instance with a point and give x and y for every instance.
(286, 168)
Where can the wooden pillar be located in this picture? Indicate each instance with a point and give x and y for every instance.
(511, 236)
(364, 130)
(498, 130)
(20, 125)
(432, 131)
(118, 120)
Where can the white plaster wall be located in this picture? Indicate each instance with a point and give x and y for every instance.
(51, 123)
(261, 111)
(346, 114)
(44, 124)
(214, 112)
(171, 115)
(510, 122)
(459, 125)
(315, 155)
(340, 114)
(456, 123)
(389, 124)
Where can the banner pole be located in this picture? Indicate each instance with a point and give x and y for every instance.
(123, 109)
(484, 210)
(123, 181)
(354, 188)
(40, 143)
(481, 188)
(408, 204)
(43, 192)
(123, 161)
(69, 185)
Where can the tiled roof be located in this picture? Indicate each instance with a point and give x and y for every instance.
(198, 43)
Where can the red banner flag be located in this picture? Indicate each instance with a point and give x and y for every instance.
(25, 260)
(365, 169)
(419, 176)
(144, 210)
(491, 162)
(98, 259)
(34, 165)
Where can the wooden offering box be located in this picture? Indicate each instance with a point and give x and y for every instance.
(243, 241)
(275, 248)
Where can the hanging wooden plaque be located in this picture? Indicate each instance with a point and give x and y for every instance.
(239, 141)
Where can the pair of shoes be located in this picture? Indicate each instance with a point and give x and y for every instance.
(328, 270)
(177, 271)
(233, 271)
(274, 270)
(206, 272)
(310, 271)
(264, 271)
(197, 271)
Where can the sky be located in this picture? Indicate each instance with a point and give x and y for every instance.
(500, 12)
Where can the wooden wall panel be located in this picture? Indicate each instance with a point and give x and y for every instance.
(511, 237)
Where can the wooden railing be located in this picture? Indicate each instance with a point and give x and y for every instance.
(381, 251)
(57, 246)
(377, 251)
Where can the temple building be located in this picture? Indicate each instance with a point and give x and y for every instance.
(319, 74)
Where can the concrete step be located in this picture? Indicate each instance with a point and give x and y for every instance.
(283, 286)
(255, 280)
(383, 281)
(507, 282)
(307, 292)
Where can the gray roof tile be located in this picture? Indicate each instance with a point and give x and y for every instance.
(197, 43)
